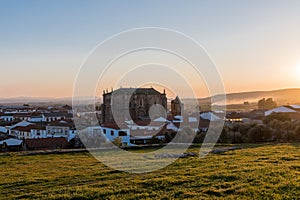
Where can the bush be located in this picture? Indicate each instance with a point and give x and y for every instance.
(281, 117)
(117, 141)
(297, 133)
(260, 134)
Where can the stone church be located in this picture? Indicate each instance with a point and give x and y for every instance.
(137, 101)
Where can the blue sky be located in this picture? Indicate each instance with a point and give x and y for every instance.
(255, 44)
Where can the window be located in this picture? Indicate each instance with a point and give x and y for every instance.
(112, 133)
(122, 133)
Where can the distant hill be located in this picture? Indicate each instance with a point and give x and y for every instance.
(34, 100)
(283, 96)
(41, 100)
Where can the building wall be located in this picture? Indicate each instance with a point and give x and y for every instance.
(35, 119)
(56, 131)
(38, 133)
(176, 107)
(138, 105)
(7, 118)
(111, 134)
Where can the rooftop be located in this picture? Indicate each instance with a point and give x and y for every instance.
(136, 91)
(46, 143)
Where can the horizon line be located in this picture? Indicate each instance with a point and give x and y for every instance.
(70, 97)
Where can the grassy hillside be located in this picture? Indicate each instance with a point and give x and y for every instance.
(271, 171)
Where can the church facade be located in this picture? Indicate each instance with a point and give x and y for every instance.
(130, 103)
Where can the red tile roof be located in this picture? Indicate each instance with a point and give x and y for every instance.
(62, 124)
(29, 127)
(22, 128)
(46, 143)
(114, 126)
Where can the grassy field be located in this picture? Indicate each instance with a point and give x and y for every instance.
(260, 172)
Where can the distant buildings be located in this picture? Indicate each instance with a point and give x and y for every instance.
(292, 109)
(35, 116)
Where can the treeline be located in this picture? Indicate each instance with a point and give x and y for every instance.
(266, 104)
(276, 127)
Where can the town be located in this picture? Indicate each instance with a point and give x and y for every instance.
(28, 127)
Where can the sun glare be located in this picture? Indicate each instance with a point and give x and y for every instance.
(297, 71)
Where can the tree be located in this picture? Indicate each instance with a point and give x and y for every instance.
(199, 137)
(117, 141)
(155, 140)
(297, 132)
(276, 127)
(186, 135)
(266, 104)
(260, 133)
(76, 143)
(287, 126)
(235, 129)
(246, 103)
(280, 117)
(224, 135)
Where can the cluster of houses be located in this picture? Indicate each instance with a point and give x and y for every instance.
(256, 116)
(143, 132)
(35, 128)
(27, 127)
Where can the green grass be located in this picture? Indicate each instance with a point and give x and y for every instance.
(255, 172)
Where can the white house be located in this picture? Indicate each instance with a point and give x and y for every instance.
(155, 125)
(22, 123)
(11, 144)
(210, 116)
(21, 132)
(281, 109)
(38, 118)
(34, 131)
(3, 129)
(38, 131)
(22, 116)
(61, 129)
(111, 133)
(53, 116)
(160, 119)
(297, 107)
(172, 127)
(178, 118)
(7, 117)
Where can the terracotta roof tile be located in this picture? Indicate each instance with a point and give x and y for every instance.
(46, 143)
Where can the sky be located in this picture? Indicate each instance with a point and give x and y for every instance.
(255, 44)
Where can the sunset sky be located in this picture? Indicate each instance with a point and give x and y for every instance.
(254, 43)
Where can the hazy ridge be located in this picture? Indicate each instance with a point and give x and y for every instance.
(282, 96)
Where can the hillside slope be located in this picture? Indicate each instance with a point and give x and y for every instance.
(283, 96)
